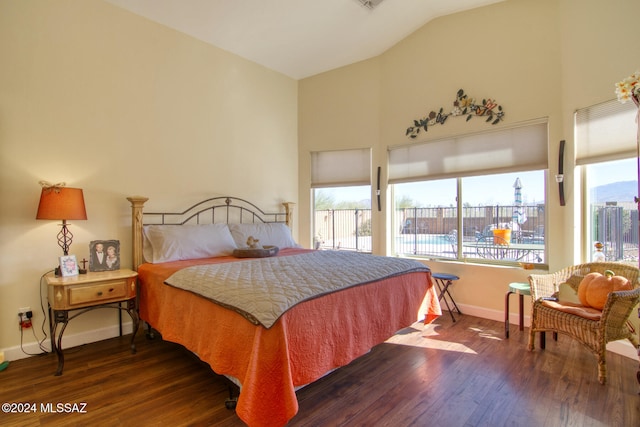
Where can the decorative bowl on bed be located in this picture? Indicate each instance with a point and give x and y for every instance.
(265, 251)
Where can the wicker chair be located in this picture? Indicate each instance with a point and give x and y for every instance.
(594, 334)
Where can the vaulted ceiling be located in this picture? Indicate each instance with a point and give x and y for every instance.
(298, 38)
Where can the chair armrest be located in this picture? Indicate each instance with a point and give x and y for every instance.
(543, 285)
(618, 307)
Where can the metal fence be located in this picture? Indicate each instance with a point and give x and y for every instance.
(615, 225)
(428, 231)
(348, 229)
(433, 231)
(506, 233)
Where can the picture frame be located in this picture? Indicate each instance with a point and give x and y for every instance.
(104, 255)
(68, 266)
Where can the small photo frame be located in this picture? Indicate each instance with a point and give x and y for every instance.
(68, 266)
(104, 255)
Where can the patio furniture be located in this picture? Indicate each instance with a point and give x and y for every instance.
(492, 247)
(591, 327)
(495, 247)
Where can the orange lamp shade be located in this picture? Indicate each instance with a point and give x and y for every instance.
(61, 203)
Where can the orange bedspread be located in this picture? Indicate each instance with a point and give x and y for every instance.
(309, 340)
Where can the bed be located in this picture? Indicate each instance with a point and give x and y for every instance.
(267, 356)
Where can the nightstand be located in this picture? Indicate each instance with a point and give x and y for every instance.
(86, 292)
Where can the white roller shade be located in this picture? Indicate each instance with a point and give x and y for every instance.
(341, 168)
(605, 132)
(512, 149)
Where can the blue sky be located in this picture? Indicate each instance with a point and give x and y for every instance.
(495, 189)
(480, 190)
(608, 172)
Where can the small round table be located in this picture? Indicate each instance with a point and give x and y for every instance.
(521, 289)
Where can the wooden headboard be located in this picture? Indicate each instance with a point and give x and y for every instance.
(229, 210)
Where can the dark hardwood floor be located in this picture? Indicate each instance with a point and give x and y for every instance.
(446, 374)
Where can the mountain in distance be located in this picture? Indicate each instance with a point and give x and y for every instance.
(621, 191)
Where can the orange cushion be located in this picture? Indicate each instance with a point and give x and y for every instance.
(589, 313)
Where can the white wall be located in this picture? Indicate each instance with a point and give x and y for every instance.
(536, 58)
(118, 105)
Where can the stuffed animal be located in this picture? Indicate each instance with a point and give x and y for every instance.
(253, 243)
(595, 287)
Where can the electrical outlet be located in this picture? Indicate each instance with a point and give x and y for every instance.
(22, 312)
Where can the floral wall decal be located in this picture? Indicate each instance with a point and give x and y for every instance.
(462, 106)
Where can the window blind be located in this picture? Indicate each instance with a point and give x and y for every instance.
(605, 131)
(341, 168)
(517, 148)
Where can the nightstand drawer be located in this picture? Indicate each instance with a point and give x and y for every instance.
(116, 289)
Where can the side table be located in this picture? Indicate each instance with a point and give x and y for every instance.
(86, 292)
(443, 281)
(521, 289)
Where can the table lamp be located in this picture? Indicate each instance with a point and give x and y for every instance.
(61, 203)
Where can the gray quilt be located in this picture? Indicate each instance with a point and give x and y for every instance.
(263, 289)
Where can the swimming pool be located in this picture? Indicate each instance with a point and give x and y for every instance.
(423, 239)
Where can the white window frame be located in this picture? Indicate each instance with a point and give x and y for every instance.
(338, 168)
(602, 132)
(521, 147)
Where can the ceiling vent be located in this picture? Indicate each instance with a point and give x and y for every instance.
(370, 4)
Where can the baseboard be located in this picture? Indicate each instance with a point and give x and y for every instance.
(621, 347)
(68, 341)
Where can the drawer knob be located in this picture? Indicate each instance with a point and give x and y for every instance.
(99, 293)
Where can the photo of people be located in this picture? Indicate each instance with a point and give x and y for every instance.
(104, 255)
(68, 265)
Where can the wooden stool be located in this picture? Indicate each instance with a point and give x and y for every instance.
(521, 289)
(443, 281)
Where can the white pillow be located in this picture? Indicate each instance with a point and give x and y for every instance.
(269, 234)
(179, 242)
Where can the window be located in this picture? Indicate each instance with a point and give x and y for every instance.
(612, 215)
(342, 218)
(606, 149)
(500, 223)
(478, 197)
(426, 218)
(341, 182)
